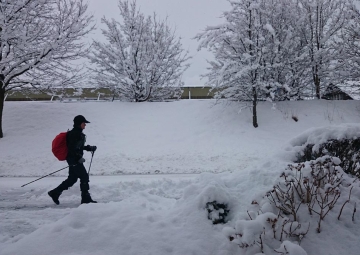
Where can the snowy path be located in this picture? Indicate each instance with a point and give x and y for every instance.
(11, 182)
(25, 209)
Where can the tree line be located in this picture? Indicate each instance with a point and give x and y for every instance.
(283, 49)
(268, 49)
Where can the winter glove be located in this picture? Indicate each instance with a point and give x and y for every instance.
(93, 148)
(82, 160)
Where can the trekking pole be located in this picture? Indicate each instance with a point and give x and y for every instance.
(92, 155)
(44, 176)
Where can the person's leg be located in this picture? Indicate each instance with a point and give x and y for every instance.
(84, 185)
(84, 178)
(70, 181)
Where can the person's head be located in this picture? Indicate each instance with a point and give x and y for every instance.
(80, 121)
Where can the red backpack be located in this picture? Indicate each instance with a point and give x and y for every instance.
(59, 147)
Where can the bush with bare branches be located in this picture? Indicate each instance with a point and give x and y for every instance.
(314, 188)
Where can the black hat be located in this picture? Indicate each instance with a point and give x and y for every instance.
(80, 119)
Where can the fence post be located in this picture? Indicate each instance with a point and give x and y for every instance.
(189, 93)
(99, 94)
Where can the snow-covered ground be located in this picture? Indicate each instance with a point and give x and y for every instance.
(156, 166)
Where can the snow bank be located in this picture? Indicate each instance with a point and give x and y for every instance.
(163, 217)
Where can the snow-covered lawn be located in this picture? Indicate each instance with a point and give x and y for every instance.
(194, 151)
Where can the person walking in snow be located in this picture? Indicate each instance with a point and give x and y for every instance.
(75, 140)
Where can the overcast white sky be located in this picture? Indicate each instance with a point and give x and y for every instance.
(189, 17)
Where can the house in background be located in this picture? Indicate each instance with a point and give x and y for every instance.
(349, 90)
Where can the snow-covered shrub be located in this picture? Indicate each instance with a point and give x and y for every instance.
(305, 194)
(265, 232)
(315, 185)
(217, 212)
(289, 248)
(347, 150)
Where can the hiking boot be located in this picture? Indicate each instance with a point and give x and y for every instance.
(54, 194)
(86, 199)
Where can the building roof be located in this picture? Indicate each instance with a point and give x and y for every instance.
(351, 88)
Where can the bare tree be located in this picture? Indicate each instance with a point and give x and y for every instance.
(238, 53)
(142, 58)
(39, 42)
(275, 49)
(321, 23)
(285, 61)
(350, 46)
(255, 50)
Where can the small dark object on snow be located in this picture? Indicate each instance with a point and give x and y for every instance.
(217, 212)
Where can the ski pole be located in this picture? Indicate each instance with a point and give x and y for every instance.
(92, 155)
(44, 176)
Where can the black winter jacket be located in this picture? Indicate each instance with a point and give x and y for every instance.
(75, 140)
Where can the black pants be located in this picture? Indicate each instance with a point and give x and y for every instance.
(76, 171)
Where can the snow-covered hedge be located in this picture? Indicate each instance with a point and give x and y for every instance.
(346, 149)
(298, 204)
(341, 141)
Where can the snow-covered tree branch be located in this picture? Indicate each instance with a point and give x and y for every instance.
(254, 51)
(279, 49)
(321, 23)
(142, 58)
(350, 46)
(39, 42)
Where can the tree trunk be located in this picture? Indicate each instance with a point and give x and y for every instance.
(255, 124)
(316, 79)
(317, 86)
(2, 99)
(143, 98)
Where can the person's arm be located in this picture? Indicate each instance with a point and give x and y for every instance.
(90, 148)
